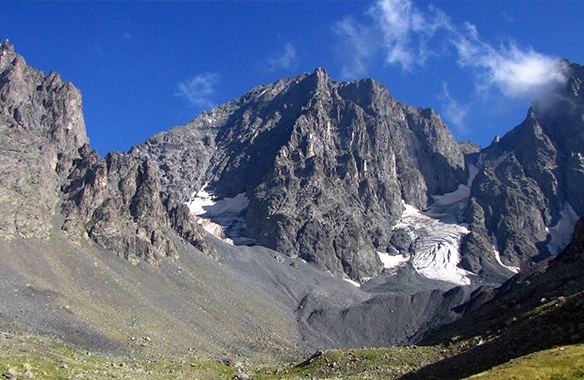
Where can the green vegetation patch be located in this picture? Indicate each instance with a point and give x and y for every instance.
(563, 363)
(41, 358)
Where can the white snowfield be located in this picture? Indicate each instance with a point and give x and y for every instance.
(217, 215)
(435, 244)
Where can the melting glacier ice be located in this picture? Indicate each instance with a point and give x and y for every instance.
(219, 217)
(435, 243)
(436, 234)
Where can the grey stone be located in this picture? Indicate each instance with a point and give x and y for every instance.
(324, 164)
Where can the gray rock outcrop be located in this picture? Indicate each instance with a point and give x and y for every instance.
(524, 197)
(325, 165)
(41, 127)
(45, 157)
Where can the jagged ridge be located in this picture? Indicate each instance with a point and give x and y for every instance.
(325, 165)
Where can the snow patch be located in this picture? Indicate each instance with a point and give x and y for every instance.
(495, 244)
(561, 233)
(355, 283)
(219, 217)
(391, 261)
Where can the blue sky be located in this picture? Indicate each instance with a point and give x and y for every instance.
(144, 67)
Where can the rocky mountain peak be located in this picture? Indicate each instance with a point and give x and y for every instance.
(528, 179)
(326, 166)
(43, 103)
(6, 54)
(321, 76)
(115, 201)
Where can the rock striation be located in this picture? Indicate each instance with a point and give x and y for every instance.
(524, 200)
(48, 169)
(326, 166)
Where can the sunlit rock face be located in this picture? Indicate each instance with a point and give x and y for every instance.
(48, 169)
(524, 199)
(41, 128)
(326, 167)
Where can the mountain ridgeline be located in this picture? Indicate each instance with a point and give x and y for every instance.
(327, 168)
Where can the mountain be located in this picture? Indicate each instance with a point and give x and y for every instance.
(322, 170)
(526, 197)
(306, 214)
(324, 167)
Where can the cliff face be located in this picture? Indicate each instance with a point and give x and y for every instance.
(47, 168)
(524, 200)
(307, 166)
(325, 166)
(41, 126)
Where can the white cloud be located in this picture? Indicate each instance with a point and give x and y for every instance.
(358, 47)
(454, 112)
(199, 90)
(406, 31)
(286, 59)
(411, 35)
(516, 72)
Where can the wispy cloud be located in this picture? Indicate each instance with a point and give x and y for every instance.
(407, 30)
(453, 110)
(199, 90)
(285, 59)
(517, 72)
(358, 46)
(411, 36)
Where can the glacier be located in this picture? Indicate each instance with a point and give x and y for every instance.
(436, 234)
(435, 243)
(221, 217)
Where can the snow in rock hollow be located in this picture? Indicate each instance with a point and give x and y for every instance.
(561, 233)
(219, 217)
(392, 261)
(354, 283)
(495, 244)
